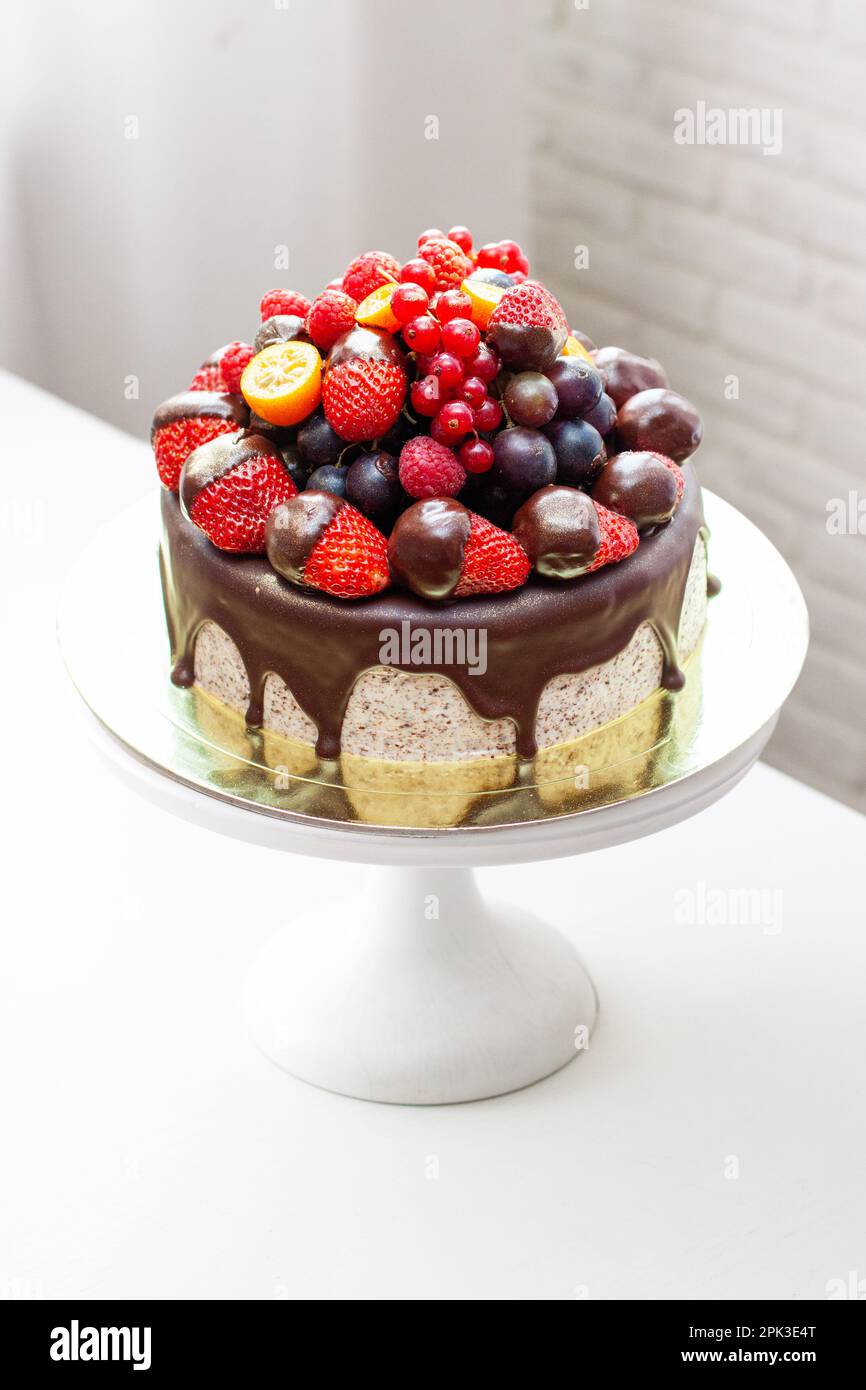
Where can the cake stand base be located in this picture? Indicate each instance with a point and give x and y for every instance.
(420, 993)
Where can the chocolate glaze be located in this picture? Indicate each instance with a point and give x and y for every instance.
(188, 404)
(425, 549)
(216, 458)
(527, 346)
(281, 328)
(321, 645)
(373, 343)
(661, 420)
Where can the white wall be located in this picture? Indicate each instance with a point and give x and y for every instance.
(300, 123)
(723, 260)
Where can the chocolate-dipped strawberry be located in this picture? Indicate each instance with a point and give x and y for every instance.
(441, 550)
(281, 328)
(364, 386)
(318, 540)
(644, 486)
(661, 421)
(528, 327)
(626, 373)
(558, 528)
(229, 486)
(190, 419)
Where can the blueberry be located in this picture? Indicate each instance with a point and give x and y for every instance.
(328, 478)
(318, 443)
(373, 485)
(524, 459)
(602, 415)
(579, 451)
(488, 276)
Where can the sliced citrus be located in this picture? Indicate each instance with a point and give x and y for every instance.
(484, 299)
(283, 382)
(375, 311)
(574, 348)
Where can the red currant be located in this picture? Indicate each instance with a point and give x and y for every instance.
(463, 237)
(453, 304)
(492, 257)
(448, 368)
(454, 420)
(409, 302)
(473, 391)
(476, 455)
(418, 272)
(487, 415)
(485, 363)
(460, 336)
(422, 334)
(521, 264)
(426, 395)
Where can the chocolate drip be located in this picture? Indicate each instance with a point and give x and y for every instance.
(320, 645)
(188, 404)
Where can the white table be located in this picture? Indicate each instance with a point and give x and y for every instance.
(177, 1162)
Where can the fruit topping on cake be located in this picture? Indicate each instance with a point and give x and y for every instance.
(436, 425)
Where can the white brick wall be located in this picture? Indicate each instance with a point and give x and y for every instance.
(722, 259)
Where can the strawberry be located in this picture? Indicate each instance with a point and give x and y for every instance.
(441, 550)
(284, 302)
(493, 561)
(184, 422)
(228, 489)
(366, 273)
(363, 396)
(320, 541)
(677, 472)
(619, 538)
(450, 263)
(528, 327)
(331, 315)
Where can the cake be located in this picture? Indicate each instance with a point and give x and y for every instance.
(423, 526)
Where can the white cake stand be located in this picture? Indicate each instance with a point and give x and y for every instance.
(422, 991)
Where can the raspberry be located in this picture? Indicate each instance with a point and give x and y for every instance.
(366, 273)
(428, 469)
(209, 377)
(331, 315)
(232, 363)
(363, 397)
(284, 302)
(450, 263)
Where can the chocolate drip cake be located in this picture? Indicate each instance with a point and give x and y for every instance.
(422, 522)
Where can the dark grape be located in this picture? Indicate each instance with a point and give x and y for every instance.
(295, 467)
(602, 415)
(525, 460)
(328, 478)
(578, 384)
(579, 451)
(531, 399)
(373, 485)
(318, 443)
(401, 430)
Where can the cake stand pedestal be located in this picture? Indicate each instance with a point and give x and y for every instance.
(421, 990)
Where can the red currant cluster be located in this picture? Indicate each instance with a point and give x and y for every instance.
(455, 367)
